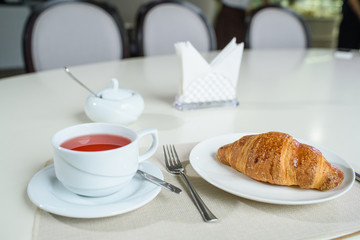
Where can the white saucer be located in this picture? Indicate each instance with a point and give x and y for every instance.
(46, 192)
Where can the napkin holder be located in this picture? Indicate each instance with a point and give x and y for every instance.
(205, 85)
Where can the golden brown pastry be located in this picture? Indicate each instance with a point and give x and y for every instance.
(277, 158)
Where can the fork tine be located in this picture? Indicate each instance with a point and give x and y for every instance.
(171, 154)
(166, 156)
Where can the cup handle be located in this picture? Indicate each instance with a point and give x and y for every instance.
(154, 133)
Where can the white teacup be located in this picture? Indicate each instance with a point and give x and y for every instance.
(98, 173)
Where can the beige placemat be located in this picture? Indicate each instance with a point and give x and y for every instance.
(172, 216)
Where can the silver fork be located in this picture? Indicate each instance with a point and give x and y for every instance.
(174, 166)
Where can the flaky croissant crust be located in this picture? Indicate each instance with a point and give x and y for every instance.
(277, 158)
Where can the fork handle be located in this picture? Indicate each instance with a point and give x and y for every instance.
(205, 212)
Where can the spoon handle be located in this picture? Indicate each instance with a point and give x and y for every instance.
(78, 81)
(159, 182)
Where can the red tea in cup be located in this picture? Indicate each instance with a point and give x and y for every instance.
(95, 142)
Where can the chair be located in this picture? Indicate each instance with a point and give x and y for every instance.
(162, 23)
(273, 26)
(67, 33)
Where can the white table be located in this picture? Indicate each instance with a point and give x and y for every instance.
(308, 94)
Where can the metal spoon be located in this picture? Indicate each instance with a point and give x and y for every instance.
(67, 70)
(159, 182)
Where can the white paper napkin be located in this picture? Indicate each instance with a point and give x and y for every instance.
(206, 83)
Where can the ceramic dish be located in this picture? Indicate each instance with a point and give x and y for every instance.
(203, 159)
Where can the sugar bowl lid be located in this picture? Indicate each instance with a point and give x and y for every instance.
(115, 93)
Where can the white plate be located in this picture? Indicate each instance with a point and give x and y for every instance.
(203, 159)
(46, 192)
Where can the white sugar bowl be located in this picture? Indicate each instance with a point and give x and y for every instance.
(114, 105)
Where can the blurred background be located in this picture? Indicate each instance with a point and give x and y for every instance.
(322, 16)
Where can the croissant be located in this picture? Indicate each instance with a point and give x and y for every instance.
(277, 158)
